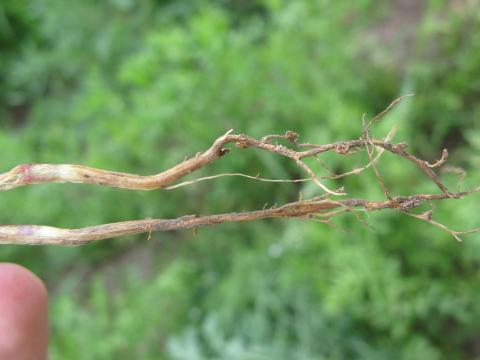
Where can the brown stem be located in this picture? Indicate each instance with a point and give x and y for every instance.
(47, 235)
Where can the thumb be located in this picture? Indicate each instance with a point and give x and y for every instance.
(23, 314)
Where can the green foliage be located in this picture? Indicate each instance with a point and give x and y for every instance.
(137, 86)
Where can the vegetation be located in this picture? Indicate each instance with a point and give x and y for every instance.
(137, 86)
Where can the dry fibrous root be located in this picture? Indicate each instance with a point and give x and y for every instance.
(321, 208)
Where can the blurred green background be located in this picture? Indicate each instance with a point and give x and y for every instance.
(136, 86)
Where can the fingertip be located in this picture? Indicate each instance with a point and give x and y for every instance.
(23, 314)
(21, 280)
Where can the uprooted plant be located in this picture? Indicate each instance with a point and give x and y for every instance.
(320, 208)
